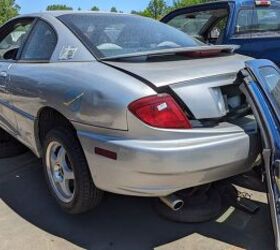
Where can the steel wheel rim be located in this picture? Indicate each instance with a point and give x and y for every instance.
(60, 172)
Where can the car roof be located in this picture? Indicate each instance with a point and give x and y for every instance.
(61, 13)
(213, 3)
(237, 2)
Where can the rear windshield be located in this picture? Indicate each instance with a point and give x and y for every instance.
(116, 35)
(259, 20)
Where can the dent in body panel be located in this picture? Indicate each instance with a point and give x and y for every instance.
(85, 92)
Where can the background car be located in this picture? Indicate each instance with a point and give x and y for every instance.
(261, 85)
(254, 25)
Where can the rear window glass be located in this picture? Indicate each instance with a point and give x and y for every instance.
(115, 35)
(258, 20)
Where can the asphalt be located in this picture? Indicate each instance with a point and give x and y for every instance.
(30, 219)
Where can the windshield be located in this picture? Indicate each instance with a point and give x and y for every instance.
(260, 19)
(110, 35)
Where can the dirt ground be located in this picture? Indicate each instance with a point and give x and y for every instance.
(30, 219)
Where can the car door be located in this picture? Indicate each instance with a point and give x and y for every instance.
(207, 22)
(11, 38)
(261, 85)
(25, 77)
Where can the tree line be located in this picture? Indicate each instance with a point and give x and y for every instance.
(65, 7)
(158, 8)
(155, 9)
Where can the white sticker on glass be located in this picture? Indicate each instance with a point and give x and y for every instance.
(67, 53)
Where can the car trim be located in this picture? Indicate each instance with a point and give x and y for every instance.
(17, 110)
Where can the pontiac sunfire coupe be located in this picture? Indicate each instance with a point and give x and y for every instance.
(121, 103)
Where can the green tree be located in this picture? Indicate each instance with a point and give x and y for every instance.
(156, 9)
(8, 9)
(58, 7)
(145, 13)
(94, 8)
(114, 9)
(184, 3)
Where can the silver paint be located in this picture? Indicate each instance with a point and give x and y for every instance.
(94, 97)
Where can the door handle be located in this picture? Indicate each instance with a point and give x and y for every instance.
(3, 74)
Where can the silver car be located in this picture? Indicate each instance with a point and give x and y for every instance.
(122, 103)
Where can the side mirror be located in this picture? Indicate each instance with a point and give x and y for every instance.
(11, 54)
(215, 33)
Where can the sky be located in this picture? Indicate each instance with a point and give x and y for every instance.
(28, 6)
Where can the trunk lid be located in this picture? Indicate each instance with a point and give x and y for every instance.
(197, 82)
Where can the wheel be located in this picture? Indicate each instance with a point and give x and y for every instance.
(67, 172)
(9, 146)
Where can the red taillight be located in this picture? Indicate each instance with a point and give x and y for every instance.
(160, 111)
(263, 3)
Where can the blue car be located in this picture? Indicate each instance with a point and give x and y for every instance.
(254, 25)
(260, 82)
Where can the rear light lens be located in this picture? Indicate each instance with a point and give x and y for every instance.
(263, 3)
(160, 111)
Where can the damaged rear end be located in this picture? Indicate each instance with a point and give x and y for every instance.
(196, 130)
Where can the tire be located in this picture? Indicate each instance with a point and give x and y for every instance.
(77, 195)
(10, 146)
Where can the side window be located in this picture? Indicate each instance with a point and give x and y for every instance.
(40, 44)
(13, 38)
(258, 22)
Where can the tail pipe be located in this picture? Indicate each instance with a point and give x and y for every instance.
(172, 201)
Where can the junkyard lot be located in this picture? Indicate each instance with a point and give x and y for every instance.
(30, 219)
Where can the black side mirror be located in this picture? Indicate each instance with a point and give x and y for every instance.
(11, 54)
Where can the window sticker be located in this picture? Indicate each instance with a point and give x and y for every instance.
(67, 53)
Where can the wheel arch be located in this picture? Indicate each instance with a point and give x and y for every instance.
(47, 119)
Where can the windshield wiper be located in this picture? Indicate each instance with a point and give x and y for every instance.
(191, 51)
